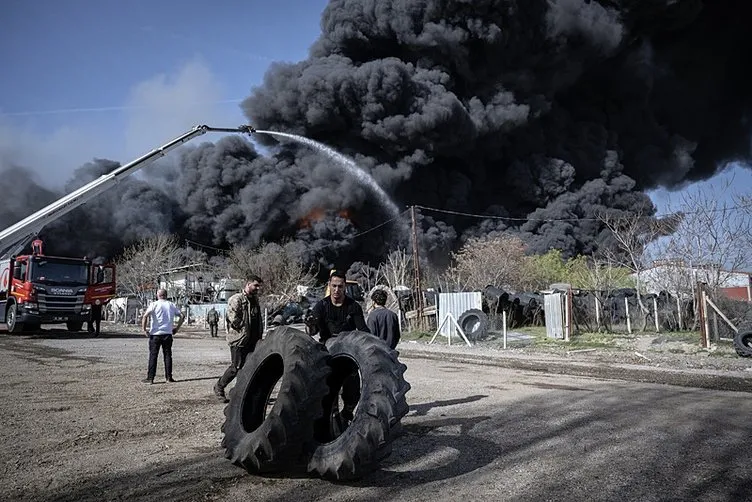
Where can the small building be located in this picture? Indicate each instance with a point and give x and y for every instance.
(676, 277)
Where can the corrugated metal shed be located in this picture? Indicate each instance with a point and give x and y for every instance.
(456, 304)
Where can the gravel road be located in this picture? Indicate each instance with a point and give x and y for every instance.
(483, 425)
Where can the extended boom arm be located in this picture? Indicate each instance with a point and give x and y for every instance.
(18, 235)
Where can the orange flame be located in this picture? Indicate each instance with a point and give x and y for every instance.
(318, 214)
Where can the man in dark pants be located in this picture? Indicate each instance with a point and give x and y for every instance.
(212, 319)
(244, 330)
(162, 314)
(382, 322)
(96, 319)
(329, 317)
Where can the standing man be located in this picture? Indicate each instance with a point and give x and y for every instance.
(212, 318)
(382, 322)
(244, 330)
(329, 317)
(96, 319)
(162, 314)
(337, 312)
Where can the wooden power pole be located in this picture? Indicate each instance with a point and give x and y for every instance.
(416, 266)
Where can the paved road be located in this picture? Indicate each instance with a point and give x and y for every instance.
(474, 432)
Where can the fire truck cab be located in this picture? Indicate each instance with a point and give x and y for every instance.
(37, 289)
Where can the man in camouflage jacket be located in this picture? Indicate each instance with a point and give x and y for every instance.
(244, 329)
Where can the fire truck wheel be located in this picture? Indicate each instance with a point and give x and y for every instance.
(74, 326)
(11, 319)
(349, 445)
(264, 432)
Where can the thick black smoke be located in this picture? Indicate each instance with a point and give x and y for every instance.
(544, 112)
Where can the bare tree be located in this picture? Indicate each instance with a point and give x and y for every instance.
(451, 280)
(141, 266)
(711, 237)
(494, 261)
(279, 265)
(632, 234)
(366, 275)
(397, 269)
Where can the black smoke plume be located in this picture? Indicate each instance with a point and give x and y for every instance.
(545, 112)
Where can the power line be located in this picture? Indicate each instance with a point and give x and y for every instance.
(320, 247)
(551, 220)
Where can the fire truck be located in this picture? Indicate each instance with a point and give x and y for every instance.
(37, 289)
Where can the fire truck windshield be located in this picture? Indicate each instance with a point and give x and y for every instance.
(50, 271)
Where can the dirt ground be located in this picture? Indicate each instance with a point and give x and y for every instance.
(485, 424)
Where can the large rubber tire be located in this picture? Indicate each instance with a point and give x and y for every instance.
(344, 452)
(11, 319)
(264, 442)
(743, 341)
(474, 323)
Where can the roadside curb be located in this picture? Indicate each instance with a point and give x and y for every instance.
(704, 379)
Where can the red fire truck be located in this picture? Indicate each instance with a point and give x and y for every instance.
(36, 289)
(39, 289)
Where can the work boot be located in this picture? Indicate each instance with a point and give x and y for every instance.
(170, 380)
(147, 380)
(220, 393)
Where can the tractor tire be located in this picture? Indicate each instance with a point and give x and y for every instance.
(11, 319)
(74, 326)
(262, 440)
(743, 341)
(346, 451)
(474, 323)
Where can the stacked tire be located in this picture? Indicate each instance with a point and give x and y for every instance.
(305, 427)
(743, 340)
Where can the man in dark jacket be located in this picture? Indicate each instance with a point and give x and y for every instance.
(337, 312)
(245, 327)
(212, 319)
(331, 316)
(382, 322)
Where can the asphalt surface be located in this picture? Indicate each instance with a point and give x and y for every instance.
(481, 427)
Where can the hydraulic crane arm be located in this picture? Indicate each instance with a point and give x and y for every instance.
(18, 235)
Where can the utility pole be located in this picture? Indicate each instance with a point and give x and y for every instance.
(416, 266)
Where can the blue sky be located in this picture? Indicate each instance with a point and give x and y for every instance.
(114, 79)
(104, 78)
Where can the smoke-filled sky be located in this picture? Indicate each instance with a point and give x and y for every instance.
(545, 112)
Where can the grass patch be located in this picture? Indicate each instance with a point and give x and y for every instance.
(417, 336)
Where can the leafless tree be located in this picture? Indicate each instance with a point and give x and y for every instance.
(711, 237)
(497, 261)
(397, 269)
(711, 242)
(367, 276)
(142, 265)
(632, 234)
(451, 280)
(279, 265)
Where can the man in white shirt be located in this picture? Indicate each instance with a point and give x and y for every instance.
(162, 314)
